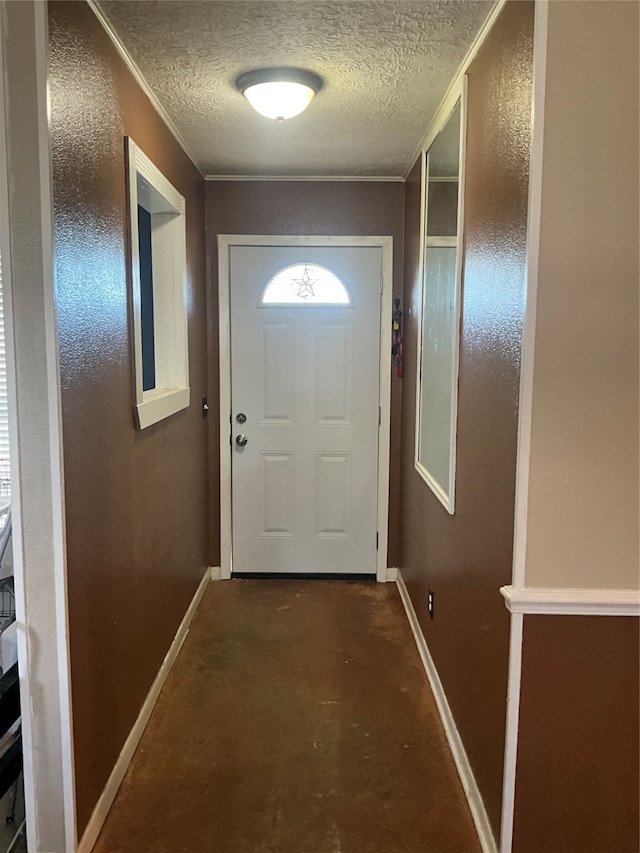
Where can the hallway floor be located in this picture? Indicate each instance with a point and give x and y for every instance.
(297, 719)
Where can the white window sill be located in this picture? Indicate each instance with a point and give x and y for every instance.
(161, 403)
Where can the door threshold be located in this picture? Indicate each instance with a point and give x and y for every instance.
(303, 576)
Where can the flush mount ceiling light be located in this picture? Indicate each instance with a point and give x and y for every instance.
(279, 93)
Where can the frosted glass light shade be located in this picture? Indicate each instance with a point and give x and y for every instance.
(279, 100)
(279, 93)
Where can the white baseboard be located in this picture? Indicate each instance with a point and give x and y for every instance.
(478, 811)
(216, 573)
(392, 575)
(107, 797)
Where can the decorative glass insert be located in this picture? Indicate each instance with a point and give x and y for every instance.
(305, 284)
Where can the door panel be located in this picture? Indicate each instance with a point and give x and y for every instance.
(277, 494)
(304, 487)
(333, 494)
(334, 351)
(278, 352)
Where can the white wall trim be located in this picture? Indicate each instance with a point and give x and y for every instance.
(35, 428)
(216, 573)
(521, 509)
(511, 733)
(224, 355)
(384, 390)
(225, 242)
(529, 328)
(476, 805)
(135, 71)
(449, 99)
(284, 178)
(572, 602)
(108, 795)
(392, 575)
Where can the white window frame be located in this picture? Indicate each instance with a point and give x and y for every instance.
(149, 187)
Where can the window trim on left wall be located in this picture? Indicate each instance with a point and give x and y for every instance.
(149, 188)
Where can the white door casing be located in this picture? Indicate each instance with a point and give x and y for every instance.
(310, 488)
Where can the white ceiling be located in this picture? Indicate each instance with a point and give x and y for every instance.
(386, 65)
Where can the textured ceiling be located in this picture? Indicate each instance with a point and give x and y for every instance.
(386, 65)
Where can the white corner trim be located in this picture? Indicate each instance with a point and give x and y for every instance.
(216, 573)
(521, 508)
(35, 429)
(449, 98)
(224, 403)
(511, 733)
(476, 805)
(137, 74)
(527, 359)
(107, 797)
(571, 602)
(384, 390)
(392, 575)
(283, 178)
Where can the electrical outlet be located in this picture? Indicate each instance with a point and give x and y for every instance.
(430, 603)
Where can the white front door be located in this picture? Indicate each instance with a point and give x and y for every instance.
(304, 408)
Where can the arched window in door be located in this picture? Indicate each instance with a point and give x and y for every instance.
(305, 284)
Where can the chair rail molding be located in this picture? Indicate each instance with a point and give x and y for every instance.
(571, 602)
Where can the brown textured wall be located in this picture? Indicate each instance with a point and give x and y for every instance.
(136, 502)
(340, 208)
(466, 557)
(578, 741)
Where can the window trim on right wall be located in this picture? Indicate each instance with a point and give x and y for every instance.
(444, 492)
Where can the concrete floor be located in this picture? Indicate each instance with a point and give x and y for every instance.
(297, 719)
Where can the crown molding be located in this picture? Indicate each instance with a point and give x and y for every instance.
(571, 602)
(453, 90)
(349, 178)
(133, 68)
(445, 105)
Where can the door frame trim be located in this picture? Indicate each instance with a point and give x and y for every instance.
(385, 244)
